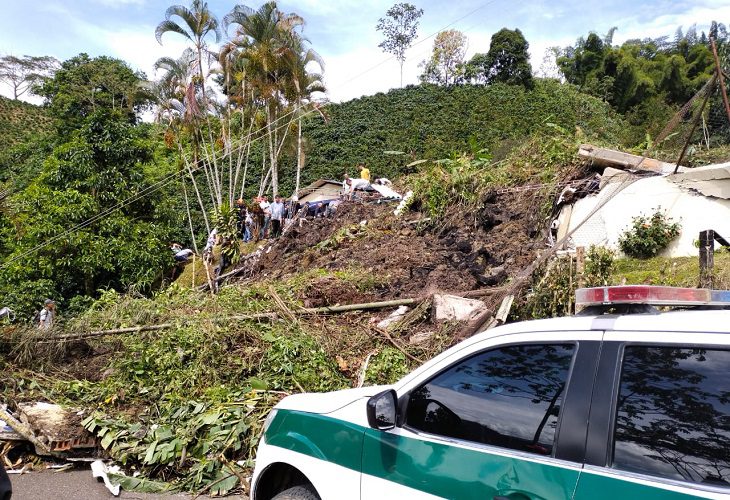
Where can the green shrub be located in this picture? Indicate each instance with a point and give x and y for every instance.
(599, 266)
(386, 367)
(648, 235)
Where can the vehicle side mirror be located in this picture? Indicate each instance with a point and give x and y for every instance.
(382, 410)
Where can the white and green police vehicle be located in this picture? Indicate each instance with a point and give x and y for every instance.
(634, 405)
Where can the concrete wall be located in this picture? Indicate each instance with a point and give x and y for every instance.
(694, 212)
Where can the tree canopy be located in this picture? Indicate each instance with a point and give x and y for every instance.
(629, 74)
(446, 65)
(23, 73)
(83, 86)
(507, 60)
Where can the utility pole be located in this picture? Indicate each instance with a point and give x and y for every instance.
(720, 77)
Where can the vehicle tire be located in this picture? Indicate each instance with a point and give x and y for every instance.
(297, 493)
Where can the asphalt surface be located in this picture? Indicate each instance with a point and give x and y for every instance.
(76, 485)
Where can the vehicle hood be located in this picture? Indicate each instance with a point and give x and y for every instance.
(327, 402)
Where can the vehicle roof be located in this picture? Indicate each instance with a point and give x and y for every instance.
(706, 321)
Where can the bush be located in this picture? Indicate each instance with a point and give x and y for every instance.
(599, 266)
(648, 235)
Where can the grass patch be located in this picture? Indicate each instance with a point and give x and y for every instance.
(680, 271)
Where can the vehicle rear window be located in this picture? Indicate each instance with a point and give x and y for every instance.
(508, 397)
(673, 414)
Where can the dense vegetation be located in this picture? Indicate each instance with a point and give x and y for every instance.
(431, 122)
(95, 197)
(20, 123)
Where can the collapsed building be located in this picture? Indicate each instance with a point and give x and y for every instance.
(697, 198)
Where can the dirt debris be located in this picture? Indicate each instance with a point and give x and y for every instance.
(468, 251)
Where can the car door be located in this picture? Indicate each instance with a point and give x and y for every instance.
(660, 418)
(504, 419)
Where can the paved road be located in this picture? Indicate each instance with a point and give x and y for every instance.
(75, 485)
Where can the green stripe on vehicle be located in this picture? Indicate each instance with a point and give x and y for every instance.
(435, 468)
(318, 436)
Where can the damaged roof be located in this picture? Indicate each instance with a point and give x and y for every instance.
(711, 180)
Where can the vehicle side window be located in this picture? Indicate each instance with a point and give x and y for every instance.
(673, 414)
(508, 397)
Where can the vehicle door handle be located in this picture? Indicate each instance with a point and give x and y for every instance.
(499, 497)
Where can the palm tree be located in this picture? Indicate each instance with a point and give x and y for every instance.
(178, 104)
(305, 84)
(197, 23)
(268, 40)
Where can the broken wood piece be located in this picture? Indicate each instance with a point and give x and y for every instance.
(282, 306)
(504, 308)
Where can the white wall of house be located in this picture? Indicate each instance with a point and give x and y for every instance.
(693, 211)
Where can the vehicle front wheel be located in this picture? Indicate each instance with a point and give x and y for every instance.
(297, 493)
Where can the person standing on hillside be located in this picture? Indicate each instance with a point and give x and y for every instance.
(277, 216)
(47, 315)
(266, 208)
(364, 172)
(241, 217)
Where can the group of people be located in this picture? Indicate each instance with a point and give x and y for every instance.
(262, 219)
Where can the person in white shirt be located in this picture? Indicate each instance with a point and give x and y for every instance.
(277, 216)
(47, 315)
(265, 206)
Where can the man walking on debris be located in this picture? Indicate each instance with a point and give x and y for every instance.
(277, 216)
(47, 315)
(258, 218)
(241, 217)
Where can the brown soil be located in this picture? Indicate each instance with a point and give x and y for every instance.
(469, 251)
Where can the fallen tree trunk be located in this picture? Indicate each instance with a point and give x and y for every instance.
(358, 307)
(240, 317)
(25, 431)
(149, 328)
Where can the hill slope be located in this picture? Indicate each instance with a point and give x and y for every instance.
(434, 122)
(20, 121)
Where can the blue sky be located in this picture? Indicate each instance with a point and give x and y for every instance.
(343, 31)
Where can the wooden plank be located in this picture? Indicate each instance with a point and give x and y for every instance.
(624, 161)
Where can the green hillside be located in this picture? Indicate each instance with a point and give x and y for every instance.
(20, 122)
(433, 122)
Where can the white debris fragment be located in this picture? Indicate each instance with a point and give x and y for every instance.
(453, 308)
(403, 204)
(101, 471)
(393, 317)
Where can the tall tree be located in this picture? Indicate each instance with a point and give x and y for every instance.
(84, 85)
(507, 60)
(23, 73)
(446, 65)
(198, 22)
(400, 27)
(80, 226)
(270, 42)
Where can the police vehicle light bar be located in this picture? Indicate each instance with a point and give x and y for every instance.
(651, 295)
